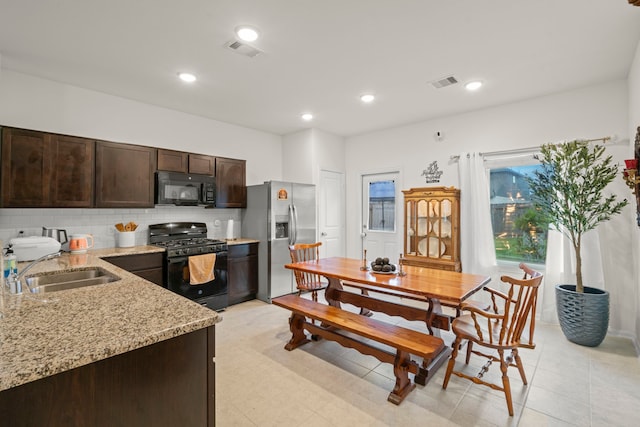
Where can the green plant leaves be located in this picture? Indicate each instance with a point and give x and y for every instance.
(569, 189)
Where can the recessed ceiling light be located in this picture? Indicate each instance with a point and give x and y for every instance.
(367, 97)
(187, 77)
(307, 117)
(475, 85)
(247, 33)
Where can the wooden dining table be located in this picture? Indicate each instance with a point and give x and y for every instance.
(432, 287)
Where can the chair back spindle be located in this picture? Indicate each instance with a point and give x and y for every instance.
(307, 282)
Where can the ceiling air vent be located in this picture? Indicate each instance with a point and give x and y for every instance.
(242, 48)
(444, 82)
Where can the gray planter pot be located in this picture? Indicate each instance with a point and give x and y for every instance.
(584, 317)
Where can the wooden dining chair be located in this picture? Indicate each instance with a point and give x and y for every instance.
(307, 282)
(498, 330)
(495, 306)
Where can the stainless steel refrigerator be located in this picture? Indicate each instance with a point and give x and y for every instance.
(279, 214)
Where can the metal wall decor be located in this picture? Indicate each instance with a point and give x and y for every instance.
(432, 173)
(631, 174)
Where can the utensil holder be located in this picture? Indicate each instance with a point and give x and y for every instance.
(126, 239)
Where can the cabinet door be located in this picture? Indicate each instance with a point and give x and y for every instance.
(72, 178)
(243, 272)
(46, 170)
(124, 175)
(231, 190)
(26, 168)
(202, 164)
(172, 161)
(148, 266)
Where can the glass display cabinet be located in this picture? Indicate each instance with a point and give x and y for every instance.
(432, 228)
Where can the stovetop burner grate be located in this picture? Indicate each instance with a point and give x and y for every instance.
(180, 243)
(184, 238)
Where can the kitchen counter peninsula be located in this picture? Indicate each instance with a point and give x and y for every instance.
(127, 352)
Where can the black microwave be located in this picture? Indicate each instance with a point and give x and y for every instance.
(184, 189)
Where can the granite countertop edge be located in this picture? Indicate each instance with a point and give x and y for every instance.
(240, 241)
(46, 334)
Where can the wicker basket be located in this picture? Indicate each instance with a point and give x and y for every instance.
(584, 317)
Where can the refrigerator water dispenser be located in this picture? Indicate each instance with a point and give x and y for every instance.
(282, 230)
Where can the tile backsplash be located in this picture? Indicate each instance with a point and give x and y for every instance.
(101, 222)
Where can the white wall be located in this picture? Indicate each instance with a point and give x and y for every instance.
(591, 112)
(634, 122)
(307, 152)
(329, 150)
(34, 103)
(297, 157)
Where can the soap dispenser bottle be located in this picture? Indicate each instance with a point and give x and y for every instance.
(10, 265)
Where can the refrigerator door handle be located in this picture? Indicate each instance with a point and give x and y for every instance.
(295, 224)
(291, 226)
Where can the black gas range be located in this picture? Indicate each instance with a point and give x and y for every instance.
(181, 241)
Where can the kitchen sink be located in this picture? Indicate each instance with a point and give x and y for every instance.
(63, 280)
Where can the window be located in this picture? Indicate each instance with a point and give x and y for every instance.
(382, 206)
(520, 231)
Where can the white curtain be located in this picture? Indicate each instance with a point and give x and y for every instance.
(477, 252)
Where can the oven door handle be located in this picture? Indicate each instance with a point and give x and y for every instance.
(179, 259)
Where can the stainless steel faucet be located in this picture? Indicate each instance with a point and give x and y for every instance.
(14, 281)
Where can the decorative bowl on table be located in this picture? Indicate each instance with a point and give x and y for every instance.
(382, 266)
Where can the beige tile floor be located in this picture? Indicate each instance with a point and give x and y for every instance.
(259, 383)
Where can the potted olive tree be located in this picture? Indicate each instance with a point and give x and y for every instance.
(569, 190)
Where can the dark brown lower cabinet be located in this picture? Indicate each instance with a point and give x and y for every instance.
(148, 266)
(243, 272)
(170, 383)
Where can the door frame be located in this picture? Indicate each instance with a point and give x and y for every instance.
(399, 202)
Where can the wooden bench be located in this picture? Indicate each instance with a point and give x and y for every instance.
(337, 322)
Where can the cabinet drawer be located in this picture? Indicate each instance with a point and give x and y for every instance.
(138, 262)
(236, 251)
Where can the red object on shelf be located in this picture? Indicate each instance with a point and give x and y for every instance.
(631, 163)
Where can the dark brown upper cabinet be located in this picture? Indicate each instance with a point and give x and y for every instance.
(173, 161)
(72, 182)
(46, 170)
(41, 169)
(231, 190)
(202, 164)
(179, 161)
(124, 175)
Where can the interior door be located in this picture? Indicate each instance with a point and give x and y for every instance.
(380, 220)
(331, 216)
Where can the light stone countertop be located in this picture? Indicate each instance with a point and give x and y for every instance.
(241, 241)
(45, 334)
(134, 250)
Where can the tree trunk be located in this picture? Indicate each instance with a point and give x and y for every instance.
(579, 284)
